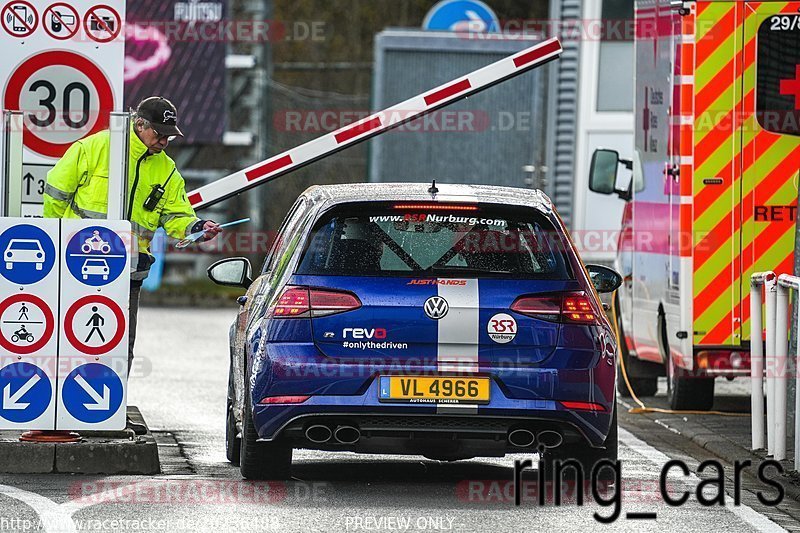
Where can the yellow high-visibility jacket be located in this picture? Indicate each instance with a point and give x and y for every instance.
(77, 187)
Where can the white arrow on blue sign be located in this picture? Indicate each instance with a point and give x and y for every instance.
(92, 393)
(26, 392)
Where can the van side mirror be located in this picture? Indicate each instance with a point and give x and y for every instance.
(603, 278)
(233, 271)
(603, 173)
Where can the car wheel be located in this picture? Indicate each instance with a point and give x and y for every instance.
(262, 460)
(586, 457)
(38, 266)
(9, 266)
(84, 276)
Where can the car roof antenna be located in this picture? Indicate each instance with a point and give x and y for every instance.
(433, 189)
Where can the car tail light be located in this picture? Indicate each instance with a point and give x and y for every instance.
(326, 302)
(302, 302)
(584, 406)
(283, 399)
(574, 307)
(293, 303)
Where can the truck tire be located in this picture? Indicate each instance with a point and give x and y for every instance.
(684, 391)
(262, 460)
(642, 386)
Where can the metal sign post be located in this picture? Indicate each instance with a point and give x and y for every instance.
(118, 165)
(12, 166)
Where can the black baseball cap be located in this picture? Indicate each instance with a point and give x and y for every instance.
(161, 113)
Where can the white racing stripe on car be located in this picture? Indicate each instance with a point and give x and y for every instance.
(458, 334)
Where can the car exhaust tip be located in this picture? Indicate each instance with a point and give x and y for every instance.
(521, 438)
(318, 433)
(346, 435)
(550, 439)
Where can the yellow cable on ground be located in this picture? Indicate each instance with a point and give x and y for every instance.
(642, 407)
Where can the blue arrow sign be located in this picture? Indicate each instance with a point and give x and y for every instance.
(461, 15)
(96, 256)
(26, 392)
(28, 254)
(92, 393)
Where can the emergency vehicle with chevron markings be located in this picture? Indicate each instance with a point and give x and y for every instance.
(714, 189)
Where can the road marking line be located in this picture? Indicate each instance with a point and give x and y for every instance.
(743, 512)
(54, 517)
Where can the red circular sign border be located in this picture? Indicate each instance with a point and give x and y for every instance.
(77, 20)
(35, 21)
(49, 323)
(86, 26)
(85, 348)
(53, 58)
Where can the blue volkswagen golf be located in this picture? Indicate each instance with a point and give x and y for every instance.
(448, 321)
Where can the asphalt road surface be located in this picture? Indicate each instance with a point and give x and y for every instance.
(179, 383)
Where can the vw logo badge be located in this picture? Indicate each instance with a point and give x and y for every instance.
(436, 307)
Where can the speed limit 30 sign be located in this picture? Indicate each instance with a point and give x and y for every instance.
(68, 96)
(66, 75)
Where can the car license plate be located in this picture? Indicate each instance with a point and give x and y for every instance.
(430, 389)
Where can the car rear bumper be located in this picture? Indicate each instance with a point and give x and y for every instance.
(410, 428)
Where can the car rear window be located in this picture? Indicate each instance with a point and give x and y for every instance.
(371, 239)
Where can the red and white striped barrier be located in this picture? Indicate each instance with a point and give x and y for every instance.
(375, 124)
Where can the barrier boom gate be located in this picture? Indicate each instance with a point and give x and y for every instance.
(375, 124)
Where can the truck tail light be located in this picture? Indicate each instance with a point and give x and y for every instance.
(305, 302)
(572, 307)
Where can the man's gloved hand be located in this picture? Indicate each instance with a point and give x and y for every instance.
(210, 228)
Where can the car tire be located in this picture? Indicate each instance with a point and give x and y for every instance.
(38, 266)
(642, 387)
(586, 456)
(9, 266)
(262, 460)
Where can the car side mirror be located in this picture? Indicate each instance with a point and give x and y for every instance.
(603, 173)
(233, 271)
(603, 278)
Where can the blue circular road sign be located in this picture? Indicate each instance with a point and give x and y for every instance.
(461, 15)
(96, 256)
(92, 393)
(28, 254)
(26, 392)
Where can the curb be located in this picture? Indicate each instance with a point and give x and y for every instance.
(723, 447)
(98, 452)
